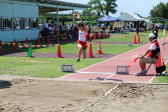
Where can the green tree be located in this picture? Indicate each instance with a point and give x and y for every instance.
(160, 10)
(91, 15)
(103, 7)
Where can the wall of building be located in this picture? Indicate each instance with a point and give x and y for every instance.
(13, 11)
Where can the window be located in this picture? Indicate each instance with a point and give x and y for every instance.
(34, 22)
(26, 23)
(17, 23)
(7, 23)
(0, 23)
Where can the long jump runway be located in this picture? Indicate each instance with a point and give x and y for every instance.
(105, 71)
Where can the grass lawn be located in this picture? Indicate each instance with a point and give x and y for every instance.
(162, 78)
(40, 67)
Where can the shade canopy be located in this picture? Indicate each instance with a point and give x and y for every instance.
(130, 17)
(107, 19)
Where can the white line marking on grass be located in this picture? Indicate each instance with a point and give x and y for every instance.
(150, 81)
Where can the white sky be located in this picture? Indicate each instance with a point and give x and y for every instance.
(141, 7)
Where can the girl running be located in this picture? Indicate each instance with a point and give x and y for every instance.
(81, 43)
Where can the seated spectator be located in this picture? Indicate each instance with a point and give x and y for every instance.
(111, 27)
(133, 29)
(51, 29)
(150, 54)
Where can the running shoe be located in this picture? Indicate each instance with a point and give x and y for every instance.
(142, 73)
(77, 60)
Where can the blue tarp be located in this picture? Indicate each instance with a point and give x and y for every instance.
(108, 19)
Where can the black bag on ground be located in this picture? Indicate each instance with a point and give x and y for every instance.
(161, 68)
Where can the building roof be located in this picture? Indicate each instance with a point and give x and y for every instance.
(63, 6)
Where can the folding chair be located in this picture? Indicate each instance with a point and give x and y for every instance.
(154, 63)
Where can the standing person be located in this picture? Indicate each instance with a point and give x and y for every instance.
(155, 32)
(46, 30)
(51, 29)
(82, 32)
(162, 26)
(137, 30)
(102, 26)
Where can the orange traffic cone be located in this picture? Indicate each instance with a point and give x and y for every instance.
(48, 40)
(134, 39)
(1, 47)
(139, 41)
(94, 36)
(99, 48)
(38, 42)
(90, 53)
(14, 45)
(59, 54)
(27, 41)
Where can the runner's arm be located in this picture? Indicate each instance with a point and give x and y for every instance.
(74, 20)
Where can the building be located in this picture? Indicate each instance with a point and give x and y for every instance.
(19, 18)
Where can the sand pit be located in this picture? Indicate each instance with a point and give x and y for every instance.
(25, 94)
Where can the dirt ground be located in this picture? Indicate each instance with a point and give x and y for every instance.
(26, 94)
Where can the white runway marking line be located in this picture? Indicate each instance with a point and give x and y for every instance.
(150, 81)
(109, 76)
(89, 73)
(95, 72)
(166, 62)
(112, 74)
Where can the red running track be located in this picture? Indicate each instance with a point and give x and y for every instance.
(105, 71)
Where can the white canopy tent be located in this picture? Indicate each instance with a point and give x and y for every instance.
(130, 17)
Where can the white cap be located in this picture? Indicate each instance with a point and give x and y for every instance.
(151, 35)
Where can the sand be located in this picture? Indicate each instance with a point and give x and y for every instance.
(26, 94)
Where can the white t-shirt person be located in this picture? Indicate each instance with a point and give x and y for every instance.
(51, 29)
(153, 46)
(102, 25)
(82, 36)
